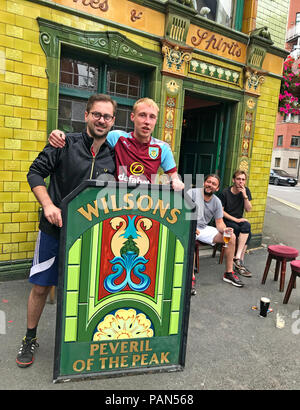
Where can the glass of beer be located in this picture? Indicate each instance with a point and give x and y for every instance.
(226, 237)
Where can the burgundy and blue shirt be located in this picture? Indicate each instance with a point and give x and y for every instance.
(138, 162)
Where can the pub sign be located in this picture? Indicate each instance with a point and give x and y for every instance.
(126, 260)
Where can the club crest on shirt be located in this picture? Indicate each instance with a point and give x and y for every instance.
(153, 152)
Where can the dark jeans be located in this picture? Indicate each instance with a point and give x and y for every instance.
(241, 227)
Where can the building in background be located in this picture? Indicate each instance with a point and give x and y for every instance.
(213, 66)
(286, 148)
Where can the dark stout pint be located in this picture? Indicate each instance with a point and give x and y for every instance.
(264, 306)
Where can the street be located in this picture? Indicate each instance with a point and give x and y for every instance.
(287, 193)
(229, 347)
(282, 221)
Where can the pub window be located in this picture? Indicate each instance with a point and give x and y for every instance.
(293, 163)
(279, 140)
(295, 141)
(277, 162)
(220, 11)
(123, 84)
(82, 77)
(71, 114)
(77, 74)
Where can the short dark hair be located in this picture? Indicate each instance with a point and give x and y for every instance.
(100, 97)
(213, 176)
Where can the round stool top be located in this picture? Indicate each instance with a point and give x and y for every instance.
(283, 251)
(295, 265)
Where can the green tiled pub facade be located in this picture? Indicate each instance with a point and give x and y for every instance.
(216, 82)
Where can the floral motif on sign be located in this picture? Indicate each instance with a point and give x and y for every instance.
(124, 324)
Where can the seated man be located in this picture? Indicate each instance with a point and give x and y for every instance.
(209, 206)
(235, 200)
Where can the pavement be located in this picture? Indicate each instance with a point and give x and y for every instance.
(229, 346)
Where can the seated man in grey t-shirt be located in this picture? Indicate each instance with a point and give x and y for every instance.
(209, 207)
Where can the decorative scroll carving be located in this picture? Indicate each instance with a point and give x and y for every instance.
(253, 80)
(175, 57)
(114, 44)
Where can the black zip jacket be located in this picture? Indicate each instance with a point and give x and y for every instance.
(67, 168)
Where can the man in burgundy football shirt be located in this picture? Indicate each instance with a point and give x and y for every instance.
(138, 154)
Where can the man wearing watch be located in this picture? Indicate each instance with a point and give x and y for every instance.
(236, 200)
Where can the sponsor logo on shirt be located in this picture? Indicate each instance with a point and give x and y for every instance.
(136, 168)
(134, 179)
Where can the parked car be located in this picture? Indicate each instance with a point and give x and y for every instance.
(281, 177)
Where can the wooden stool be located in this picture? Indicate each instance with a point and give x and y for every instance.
(282, 255)
(196, 256)
(198, 245)
(219, 247)
(295, 267)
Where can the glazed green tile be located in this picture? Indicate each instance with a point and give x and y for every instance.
(74, 253)
(73, 277)
(70, 329)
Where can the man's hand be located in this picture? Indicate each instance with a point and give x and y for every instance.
(197, 232)
(57, 139)
(239, 220)
(51, 212)
(177, 185)
(53, 215)
(242, 189)
(228, 230)
(176, 182)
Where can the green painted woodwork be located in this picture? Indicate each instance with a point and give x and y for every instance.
(239, 10)
(84, 300)
(108, 45)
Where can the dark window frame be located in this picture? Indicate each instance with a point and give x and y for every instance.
(295, 141)
(103, 66)
(279, 140)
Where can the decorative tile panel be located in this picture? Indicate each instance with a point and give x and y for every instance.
(204, 68)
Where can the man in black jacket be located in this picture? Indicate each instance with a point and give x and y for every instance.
(85, 155)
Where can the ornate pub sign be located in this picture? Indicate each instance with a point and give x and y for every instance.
(126, 263)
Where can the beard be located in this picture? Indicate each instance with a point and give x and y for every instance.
(96, 135)
(208, 193)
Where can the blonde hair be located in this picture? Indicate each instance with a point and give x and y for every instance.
(147, 101)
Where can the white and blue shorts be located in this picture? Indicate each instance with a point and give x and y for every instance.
(207, 235)
(44, 270)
